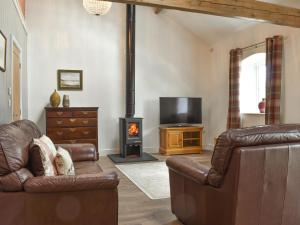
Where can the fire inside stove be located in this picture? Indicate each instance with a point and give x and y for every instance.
(133, 130)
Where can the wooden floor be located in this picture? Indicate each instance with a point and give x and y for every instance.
(135, 208)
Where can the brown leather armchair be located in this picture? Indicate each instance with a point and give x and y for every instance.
(90, 197)
(254, 179)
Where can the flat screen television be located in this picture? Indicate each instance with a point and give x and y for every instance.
(180, 110)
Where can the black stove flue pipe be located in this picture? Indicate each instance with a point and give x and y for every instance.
(130, 61)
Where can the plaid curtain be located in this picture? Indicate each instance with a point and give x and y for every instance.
(273, 83)
(234, 117)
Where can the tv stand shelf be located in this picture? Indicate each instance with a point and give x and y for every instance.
(180, 140)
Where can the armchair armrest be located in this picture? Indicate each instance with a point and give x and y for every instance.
(188, 168)
(72, 183)
(81, 152)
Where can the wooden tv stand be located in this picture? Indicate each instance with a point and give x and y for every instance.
(180, 140)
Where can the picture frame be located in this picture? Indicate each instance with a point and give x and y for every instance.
(3, 50)
(69, 80)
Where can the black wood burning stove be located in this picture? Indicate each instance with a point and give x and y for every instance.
(131, 128)
(131, 137)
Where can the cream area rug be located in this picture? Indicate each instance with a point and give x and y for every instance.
(151, 178)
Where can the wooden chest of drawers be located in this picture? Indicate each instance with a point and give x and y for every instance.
(72, 125)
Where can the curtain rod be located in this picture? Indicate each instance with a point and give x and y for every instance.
(258, 44)
(254, 45)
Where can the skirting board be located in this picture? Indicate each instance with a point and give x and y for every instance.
(105, 152)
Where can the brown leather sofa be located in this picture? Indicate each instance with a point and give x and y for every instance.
(254, 179)
(90, 197)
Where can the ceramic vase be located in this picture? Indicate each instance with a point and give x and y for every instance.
(66, 101)
(55, 99)
(262, 106)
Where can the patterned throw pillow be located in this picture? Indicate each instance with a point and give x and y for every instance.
(50, 145)
(64, 163)
(47, 157)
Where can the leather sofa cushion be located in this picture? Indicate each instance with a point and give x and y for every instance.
(81, 152)
(72, 183)
(28, 127)
(189, 168)
(253, 136)
(14, 147)
(14, 181)
(88, 167)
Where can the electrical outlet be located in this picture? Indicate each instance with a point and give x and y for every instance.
(9, 102)
(9, 91)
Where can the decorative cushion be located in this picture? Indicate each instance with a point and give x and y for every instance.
(47, 157)
(35, 163)
(50, 145)
(64, 163)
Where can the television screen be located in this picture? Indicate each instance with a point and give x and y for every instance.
(180, 110)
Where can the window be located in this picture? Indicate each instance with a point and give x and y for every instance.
(252, 82)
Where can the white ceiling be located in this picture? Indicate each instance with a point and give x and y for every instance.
(212, 28)
(209, 28)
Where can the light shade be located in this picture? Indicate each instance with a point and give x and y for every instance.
(97, 7)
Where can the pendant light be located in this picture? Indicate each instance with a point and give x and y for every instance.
(97, 7)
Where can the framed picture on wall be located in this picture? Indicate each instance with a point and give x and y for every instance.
(3, 44)
(69, 80)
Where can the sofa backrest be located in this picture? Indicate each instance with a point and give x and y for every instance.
(266, 184)
(15, 140)
(28, 127)
(253, 136)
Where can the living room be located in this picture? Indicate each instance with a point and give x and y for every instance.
(128, 67)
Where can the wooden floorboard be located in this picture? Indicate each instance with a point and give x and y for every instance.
(135, 208)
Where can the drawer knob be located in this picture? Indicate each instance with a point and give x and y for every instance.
(73, 142)
(59, 133)
(85, 122)
(72, 120)
(59, 122)
(85, 113)
(73, 129)
(86, 132)
(59, 113)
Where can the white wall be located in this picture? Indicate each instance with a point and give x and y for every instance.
(220, 77)
(171, 61)
(11, 26)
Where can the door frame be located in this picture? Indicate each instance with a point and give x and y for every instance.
(14, 42)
